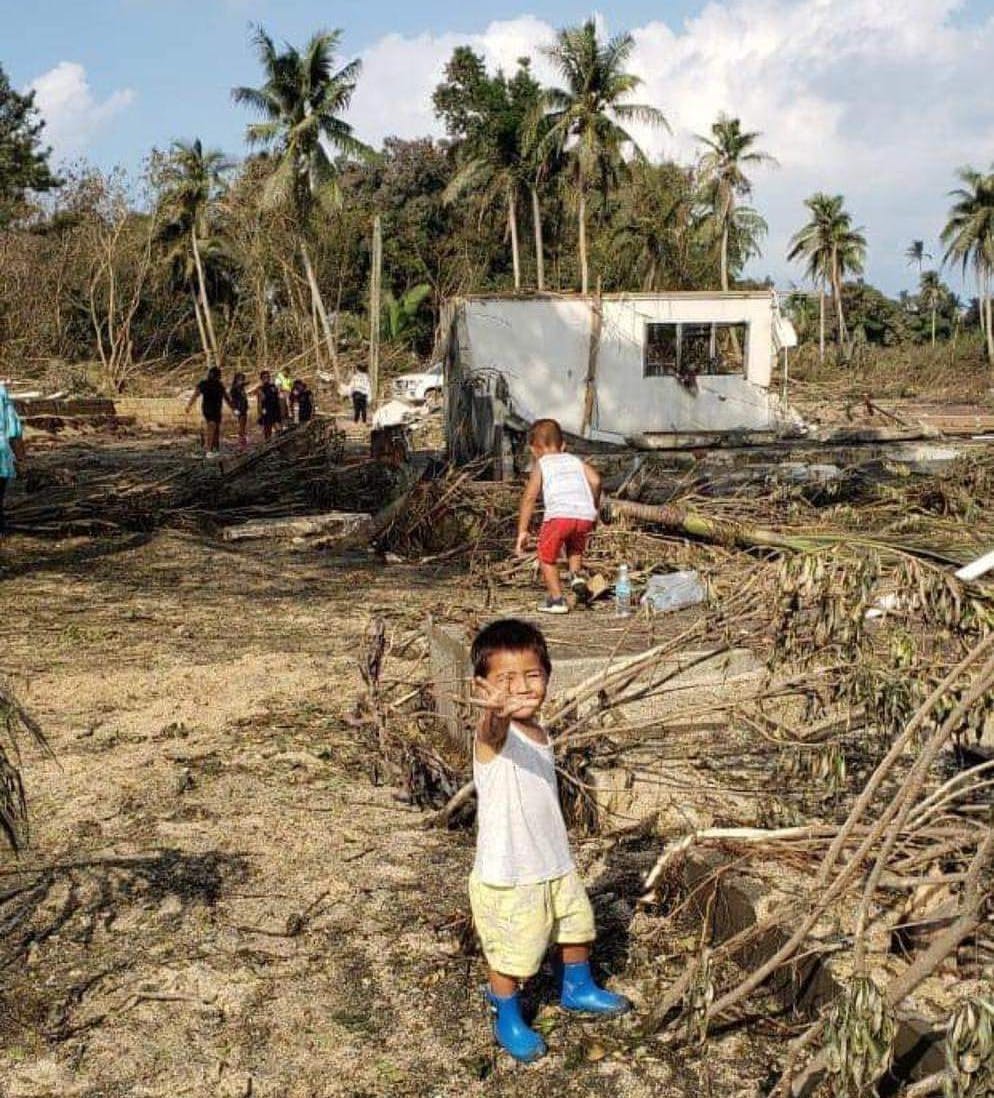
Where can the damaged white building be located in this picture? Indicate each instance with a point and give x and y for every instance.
(645, 370)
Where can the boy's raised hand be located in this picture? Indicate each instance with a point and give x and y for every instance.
(497, 706)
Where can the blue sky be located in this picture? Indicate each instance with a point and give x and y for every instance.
(876, 99)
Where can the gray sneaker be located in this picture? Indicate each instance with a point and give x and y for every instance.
(554, 606)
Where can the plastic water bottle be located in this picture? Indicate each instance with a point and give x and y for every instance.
(623, 593)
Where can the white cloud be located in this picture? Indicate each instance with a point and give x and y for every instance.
(73, 115)
(878, 99)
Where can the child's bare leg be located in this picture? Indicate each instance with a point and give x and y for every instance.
(550, 576)
(576, 954)
(502, 985)
(575, 561)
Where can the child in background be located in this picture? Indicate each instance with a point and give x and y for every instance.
(302, 399)
(524, 889)
(571, 494)
(268, 401)
(240, 406)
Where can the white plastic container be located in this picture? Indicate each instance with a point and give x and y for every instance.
(673, 591)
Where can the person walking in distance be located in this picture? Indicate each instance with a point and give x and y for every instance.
(11, 448)
(212, 395)
(240, 406)
(362, 391)
(268, 401)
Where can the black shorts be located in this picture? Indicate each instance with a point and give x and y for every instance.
(212, 415)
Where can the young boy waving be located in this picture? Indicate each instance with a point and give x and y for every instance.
(571, 494)
(524, 889)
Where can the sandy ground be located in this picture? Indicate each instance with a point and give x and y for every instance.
(217, 900)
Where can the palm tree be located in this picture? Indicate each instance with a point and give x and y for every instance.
(727, 152)
(581, 117)
(931, 293)
(832, 248)
(917, 255)
(191, 179)
(500, 161)
(969, 238)
(301, 102)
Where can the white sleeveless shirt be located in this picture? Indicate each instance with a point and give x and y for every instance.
(521, 836)
(565, 489)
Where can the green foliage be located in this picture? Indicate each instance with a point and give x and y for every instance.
(401, 313)
(23, 160)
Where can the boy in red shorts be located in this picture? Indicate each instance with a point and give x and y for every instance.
(571, 494)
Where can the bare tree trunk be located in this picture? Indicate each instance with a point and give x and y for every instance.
(583, 240)
(933, 325)
(319, 304)
(539, 246)
(262, 319)
(200, 328)
(512, 224)
(724, 254)
(821, 323)
(208, 320)
(985, 304)
(837, 291)
(375, 290)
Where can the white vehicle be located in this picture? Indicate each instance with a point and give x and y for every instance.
(419, 388)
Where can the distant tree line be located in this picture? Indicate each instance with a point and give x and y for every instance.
(532, 188)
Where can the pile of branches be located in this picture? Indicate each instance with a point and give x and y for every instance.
(287, 476)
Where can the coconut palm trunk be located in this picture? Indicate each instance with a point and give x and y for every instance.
(990, 327)
(204, 304)
(584, 281)
(933, 325)
(821, 323)
(318, 301)
(200, 327)
(539, 245)
(724, 256)
(512, 224)
(837, 293)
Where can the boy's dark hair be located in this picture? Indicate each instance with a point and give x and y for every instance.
(508, 635)
(214, 373)
(546, 432)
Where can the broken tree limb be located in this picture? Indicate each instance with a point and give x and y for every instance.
(693, 524)
(344, 524)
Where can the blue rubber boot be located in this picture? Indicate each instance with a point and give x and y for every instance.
(511, 1031)
(582, 995)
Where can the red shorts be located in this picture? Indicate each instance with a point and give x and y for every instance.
(557, 532)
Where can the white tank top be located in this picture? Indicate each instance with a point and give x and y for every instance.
(521, 836)
(565, 489)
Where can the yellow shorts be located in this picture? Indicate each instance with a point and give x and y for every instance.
(516, 923)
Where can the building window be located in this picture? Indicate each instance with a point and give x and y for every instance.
(686, 351)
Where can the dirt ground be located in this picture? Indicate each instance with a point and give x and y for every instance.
(217, 899)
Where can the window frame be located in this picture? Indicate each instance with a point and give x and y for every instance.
(679, 325)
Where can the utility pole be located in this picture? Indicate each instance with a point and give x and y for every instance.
(374, 309)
